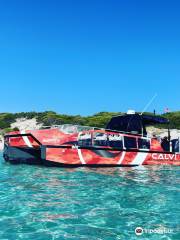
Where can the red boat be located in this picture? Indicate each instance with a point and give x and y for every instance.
(124, 142)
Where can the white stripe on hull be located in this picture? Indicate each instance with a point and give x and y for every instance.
(139, 159)
(26, 140)
(80, 156)
(79, 152)
(121, 158)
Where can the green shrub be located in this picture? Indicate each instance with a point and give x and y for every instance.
(97, 120)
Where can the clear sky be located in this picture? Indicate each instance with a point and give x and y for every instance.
(86, 56)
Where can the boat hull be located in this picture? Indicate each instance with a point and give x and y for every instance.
(89, 148)
(67, 156)
(22, 155)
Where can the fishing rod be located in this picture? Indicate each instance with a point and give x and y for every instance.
(149, 103)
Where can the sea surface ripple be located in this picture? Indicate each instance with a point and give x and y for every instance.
(38, 202)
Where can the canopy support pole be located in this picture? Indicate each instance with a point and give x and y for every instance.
(169, 139)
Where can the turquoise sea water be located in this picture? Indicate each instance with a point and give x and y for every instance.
(53, 203)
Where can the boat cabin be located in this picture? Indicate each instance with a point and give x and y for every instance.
(129, 132)
(134, 123)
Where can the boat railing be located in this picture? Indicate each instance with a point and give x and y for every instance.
(69, 128)
(8, 136)
(75, 128)
(113, 140)
(102, 140)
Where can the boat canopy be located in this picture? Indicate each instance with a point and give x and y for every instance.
(134, 123)
(150, 119)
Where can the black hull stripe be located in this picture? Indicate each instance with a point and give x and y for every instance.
(109, 149)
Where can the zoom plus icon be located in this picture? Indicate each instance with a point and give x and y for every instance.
(139, 231)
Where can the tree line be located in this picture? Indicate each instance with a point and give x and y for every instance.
(49, 118)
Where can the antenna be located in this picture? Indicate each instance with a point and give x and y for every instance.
(149, 103)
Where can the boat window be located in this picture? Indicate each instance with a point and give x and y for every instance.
(130, 142)
(143, 143)
(100, 139)
(84, 140)
(115, 140)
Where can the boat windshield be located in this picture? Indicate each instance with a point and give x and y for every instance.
(70, 128)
